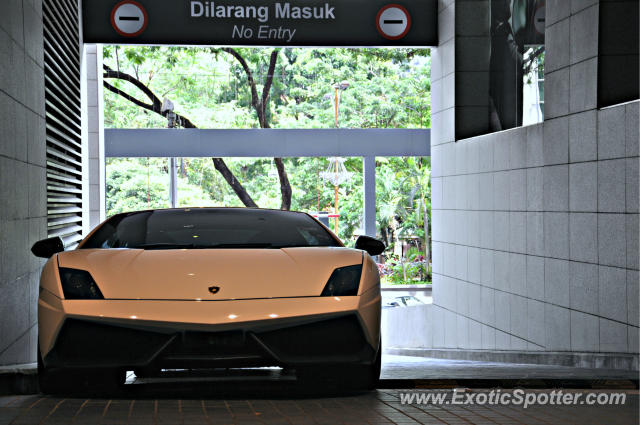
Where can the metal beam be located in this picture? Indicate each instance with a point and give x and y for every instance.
(173, 182)
(369, 207)
(256, 143)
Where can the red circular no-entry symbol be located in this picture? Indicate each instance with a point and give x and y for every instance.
(129, 18)
(393, 22)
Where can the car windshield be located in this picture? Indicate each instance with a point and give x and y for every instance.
(210, 228)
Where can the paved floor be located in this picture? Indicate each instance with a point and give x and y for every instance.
(406, 367)
(377, 407)
(271, 396)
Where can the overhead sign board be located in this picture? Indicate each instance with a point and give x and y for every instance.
(340, 23)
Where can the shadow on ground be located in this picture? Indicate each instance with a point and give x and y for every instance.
(263, 383)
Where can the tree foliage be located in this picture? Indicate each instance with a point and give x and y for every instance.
(388, 88)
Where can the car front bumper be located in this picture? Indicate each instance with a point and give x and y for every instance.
(202, 334)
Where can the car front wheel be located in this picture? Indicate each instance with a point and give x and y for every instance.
(349, 377)
(69, 381)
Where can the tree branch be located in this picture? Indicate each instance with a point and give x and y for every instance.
(526, 66)
(388, 123)
(285, 185)
(156, 107)
(245, 66)
(111, 73)
(237, 187)
(259, 104)
(269, 81)
(128, 96)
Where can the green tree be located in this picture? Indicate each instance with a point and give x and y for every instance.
(388, 88)
(154, 104)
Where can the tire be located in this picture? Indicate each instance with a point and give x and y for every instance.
(51, 381)
(65, 381)
(366, 377)
(348, 377)
(374, 371)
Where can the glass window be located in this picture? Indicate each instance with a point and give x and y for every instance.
(618, 47)
(533, 86)
(210, 228)
(516, 86)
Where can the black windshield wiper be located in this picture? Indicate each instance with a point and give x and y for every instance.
(164, 246)
(194, 246)
(240, 245)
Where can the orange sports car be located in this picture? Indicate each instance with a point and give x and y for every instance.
(205, 288)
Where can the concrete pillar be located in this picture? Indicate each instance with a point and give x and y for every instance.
(94, 137)
(530, 223)
(86, 99)
(460, 71)
(173, 182)
(443, 80)
(23, 188)
(369, 170)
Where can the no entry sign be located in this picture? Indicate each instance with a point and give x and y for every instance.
(347, 23)
(394, 22)
(129, 18)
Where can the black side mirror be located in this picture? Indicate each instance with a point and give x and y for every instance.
(371, 245)
(47, 247)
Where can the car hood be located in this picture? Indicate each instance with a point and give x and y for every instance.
(188, 274)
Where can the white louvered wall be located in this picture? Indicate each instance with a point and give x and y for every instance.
(63, 120)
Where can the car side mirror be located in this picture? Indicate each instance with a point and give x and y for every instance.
(47, 247)
(371, 245)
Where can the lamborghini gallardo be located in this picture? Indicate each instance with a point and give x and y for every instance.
(206, 288)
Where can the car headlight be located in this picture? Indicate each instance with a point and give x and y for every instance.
(344, 281)
(79, 285)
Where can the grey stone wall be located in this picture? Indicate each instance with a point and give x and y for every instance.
(95, 136)
(443, 75)
(406, 328)
(460, 70)
(535, 229)
(22, 176)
